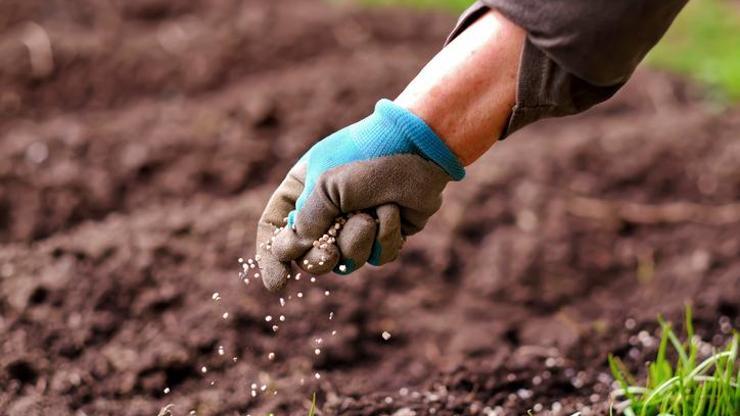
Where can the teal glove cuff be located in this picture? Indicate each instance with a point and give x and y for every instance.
(425, 140)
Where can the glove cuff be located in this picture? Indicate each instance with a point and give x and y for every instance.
(422, 136)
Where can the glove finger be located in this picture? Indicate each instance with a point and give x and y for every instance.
(389, 240)
(275, 272)
(355, 241)
(313, 220)
(320, 259)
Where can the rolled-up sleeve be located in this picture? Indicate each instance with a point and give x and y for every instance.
(578, 53)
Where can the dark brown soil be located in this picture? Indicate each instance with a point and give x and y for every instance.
(132, 174)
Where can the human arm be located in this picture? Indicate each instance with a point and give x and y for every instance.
(490, 80)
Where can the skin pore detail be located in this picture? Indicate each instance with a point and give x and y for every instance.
(466, 92)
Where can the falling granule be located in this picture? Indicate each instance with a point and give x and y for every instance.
(271, 356)
(282, 318)
(166, 390)
(319, 341)
(240, 260)
(299, 294)
(388, 400)
(235, 359)
(256, 275)
(331, 315)
(254, 393)
(216, 296)
(298, 275)
(313, 279)
(317, 375)
(204, 369)
(386, 335)
(192, 413)
(263, 387)
(275, 328)
(334, 332)
(342, 268)
(317, 351)
(220, 350)
(326, 293)
(225, 315)
(246, 281)
(253, 386)
(213, 382)
(268, 318)
(282, 302)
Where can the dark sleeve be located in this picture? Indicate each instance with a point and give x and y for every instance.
(578, 53)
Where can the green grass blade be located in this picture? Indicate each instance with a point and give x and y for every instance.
(312, 410)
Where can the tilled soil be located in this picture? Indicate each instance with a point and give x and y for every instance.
(133, 169)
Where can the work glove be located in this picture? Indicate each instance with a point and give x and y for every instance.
(355, 196)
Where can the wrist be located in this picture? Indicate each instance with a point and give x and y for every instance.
(422, 136)
(446, 128)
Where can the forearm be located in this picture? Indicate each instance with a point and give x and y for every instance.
(466, 92)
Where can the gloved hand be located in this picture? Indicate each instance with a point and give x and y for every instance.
(388, 169)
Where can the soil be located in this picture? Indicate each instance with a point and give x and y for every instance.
(133, 169)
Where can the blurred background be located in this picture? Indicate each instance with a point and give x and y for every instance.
(140, 139)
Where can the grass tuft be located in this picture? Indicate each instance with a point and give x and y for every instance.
(683, 386)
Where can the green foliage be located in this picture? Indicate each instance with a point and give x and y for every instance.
(703, 43)
(451, 5)
(683, 387)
